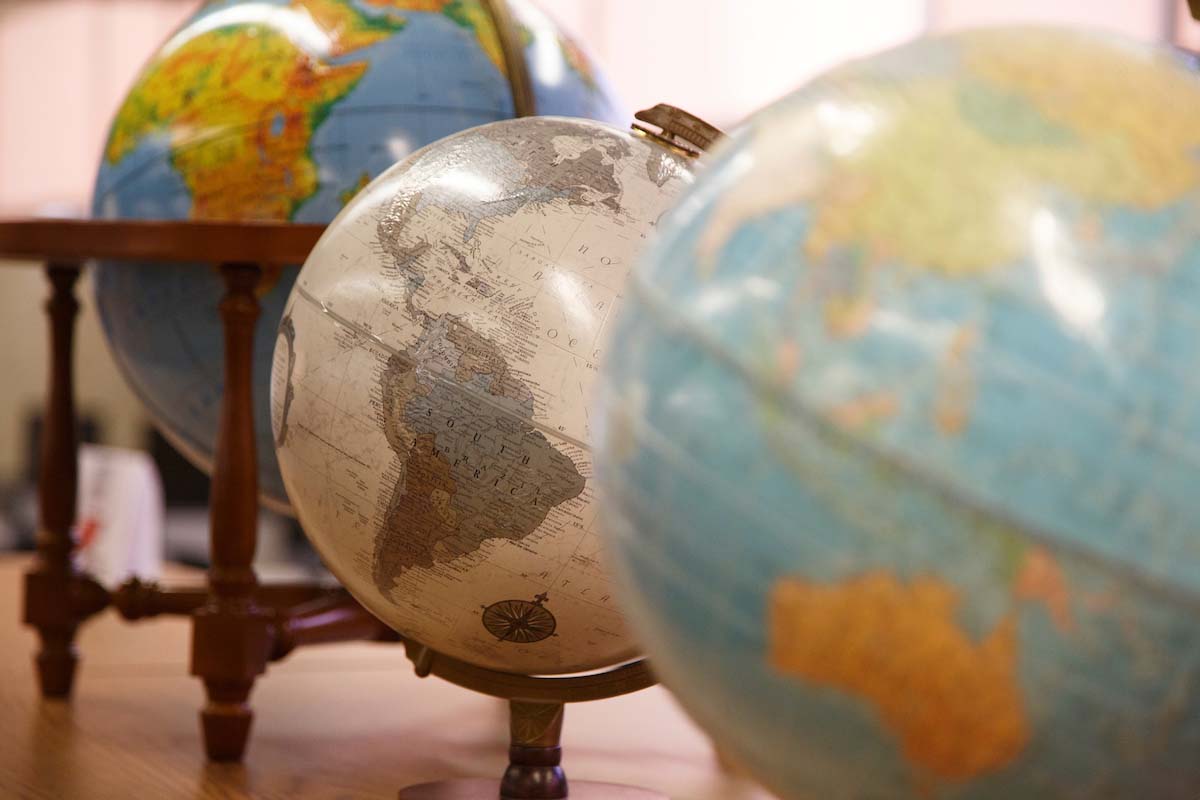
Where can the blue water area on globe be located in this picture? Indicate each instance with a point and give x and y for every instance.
(891, 530)
(427, 80)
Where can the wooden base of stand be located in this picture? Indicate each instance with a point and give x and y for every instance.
(534, 769)
(483, 789)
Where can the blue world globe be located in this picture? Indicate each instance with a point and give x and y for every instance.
(283, 110)
(900, 455)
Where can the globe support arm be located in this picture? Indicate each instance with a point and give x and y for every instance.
(524, 102)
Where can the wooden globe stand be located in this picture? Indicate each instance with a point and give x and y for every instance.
(536, 709)
(239, 625)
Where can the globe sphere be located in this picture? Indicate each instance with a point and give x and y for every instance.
(430, 386)
(283, 110)
(897, 445)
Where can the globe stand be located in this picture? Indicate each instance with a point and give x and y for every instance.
(239, 625)
(536, 709)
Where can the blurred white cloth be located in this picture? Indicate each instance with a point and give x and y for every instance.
(119, 524)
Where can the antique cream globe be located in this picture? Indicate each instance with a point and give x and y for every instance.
(431, 381)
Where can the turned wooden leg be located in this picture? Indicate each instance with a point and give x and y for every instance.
(231, 635)
(57, 597)
(535, 753)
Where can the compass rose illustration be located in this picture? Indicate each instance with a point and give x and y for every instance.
(520, 621)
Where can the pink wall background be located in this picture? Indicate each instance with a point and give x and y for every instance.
(64, 67)
(65, 64)
(1145, 19)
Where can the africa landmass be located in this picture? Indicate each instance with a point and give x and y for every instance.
(240, 103)
(954, 704)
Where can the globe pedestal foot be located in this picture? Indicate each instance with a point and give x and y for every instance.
(226, 730)
(484, 789)
(56, 663)
(534, 766)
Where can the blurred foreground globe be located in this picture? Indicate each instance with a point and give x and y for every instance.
(430, 386)
(899, 442)
(276, 110)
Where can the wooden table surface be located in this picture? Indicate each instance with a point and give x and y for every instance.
(340, 721)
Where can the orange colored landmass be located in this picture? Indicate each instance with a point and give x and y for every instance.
(348, 29)
(1041, 580)
(577, 61)
(788, 358)
(846, 318)
(432, 6)
(862, 411)
(954, 704)
(956, 384)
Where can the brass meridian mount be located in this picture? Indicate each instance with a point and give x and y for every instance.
(524, 102)
(677, 129)
(623, 679)
(685, 133)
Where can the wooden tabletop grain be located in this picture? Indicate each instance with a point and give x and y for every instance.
(340, 721)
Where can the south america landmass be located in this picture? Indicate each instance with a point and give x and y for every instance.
(473, 465)
(473, 468)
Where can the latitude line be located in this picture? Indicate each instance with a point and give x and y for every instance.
(542, 428)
